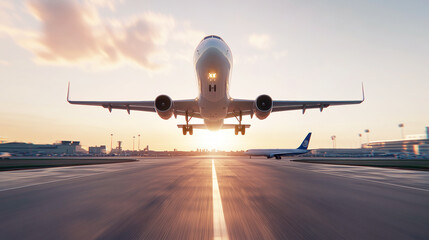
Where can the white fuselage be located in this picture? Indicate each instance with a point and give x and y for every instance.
(273, 152)
(213, 65)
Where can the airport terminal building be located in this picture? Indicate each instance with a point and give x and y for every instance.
(97, 150)
(30, 149)
(413, 145)
(410, 147)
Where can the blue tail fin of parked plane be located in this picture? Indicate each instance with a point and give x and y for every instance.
(306, 142)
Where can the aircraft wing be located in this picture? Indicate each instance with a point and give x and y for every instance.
(187, 105)
(279, 106)
(180, 107)
(247, 106)
(240, 105)
(147, 106)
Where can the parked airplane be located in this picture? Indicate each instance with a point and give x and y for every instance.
(278, 153)
(5, 155)
(213, 65)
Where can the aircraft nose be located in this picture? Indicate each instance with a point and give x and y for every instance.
(213, 52)
(212, 56)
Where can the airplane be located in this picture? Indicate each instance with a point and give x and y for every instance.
(5, 155)
(278, 153)
(213, 65)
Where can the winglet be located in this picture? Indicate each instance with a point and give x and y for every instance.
(363, 93)
(68, 92)
(305, 143)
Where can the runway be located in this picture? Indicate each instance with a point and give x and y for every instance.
(214, 198)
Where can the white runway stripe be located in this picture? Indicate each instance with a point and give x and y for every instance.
(219, 225)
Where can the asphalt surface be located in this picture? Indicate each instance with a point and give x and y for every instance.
(28, 163)
(178, 198)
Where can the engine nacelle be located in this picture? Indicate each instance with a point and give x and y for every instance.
(164, 106)
(263, 106)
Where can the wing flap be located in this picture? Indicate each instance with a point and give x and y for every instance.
(240, 105)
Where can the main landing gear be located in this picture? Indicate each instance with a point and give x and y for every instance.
(239, 127)
(187, 128)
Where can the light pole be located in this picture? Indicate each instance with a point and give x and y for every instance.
(139, 142)
(360, 140)
(134, 138)
(401, 126)
(367, 136)
(111, 143)
(334, 141)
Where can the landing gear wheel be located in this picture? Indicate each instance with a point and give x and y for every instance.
(243, 130)
(184, 130)
(191, 130)
(278, 157)
(239, 127)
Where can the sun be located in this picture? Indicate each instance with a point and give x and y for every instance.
(219, 140)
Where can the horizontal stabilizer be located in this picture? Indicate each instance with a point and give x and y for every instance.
(203, 126)
(231, 126)
(194, 126)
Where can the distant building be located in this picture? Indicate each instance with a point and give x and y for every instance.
(118, 149)
(412, 145)
(342, 152)
(30, 149)
(401, 147)
(101, 150)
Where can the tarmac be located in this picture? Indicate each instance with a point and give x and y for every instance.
(214, 198)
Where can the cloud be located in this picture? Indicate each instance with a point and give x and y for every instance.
(110, 4)
(66, 33)
(5, 9)
(139, 40)
(72, 32)
(260, 41)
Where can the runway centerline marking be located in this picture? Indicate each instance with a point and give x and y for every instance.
(219, 225)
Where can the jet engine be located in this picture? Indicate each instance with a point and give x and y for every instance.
(164, 106)
(263, 106)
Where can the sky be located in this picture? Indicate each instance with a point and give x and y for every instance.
(137, 50)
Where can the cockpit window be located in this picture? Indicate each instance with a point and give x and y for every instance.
(213, 36)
